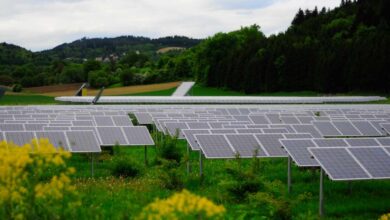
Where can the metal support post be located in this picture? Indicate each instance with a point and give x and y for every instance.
(321, 204)
(92, 165)
(289, 174)
(200, 164)
(146, 155)
(188, 159)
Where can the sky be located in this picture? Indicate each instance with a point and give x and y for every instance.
(43, 24)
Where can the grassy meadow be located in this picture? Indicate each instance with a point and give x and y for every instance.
(122, 198)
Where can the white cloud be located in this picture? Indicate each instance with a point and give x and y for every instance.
(43, 24)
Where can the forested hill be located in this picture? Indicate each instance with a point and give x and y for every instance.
(103, 47)
(110, 60)
(343, 50)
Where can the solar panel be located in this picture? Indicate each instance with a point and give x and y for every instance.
(11, 127)
(111, 136)
(289, 128)
(174, 128)
(305, 119)
(274, 130)
(249, 131)
(190, 137)
(233, 126)
(83, 123)
(19, 137)
(356, 142)
(138, 135)
(103, 121)
(1, 136)
(377, 125)
(297, 136)
(259, 119)
(242, 118)
(215, 125)
(56, 128)
(326, 128)
(245, 145)
(57, 138)
(366, 128)
(384, 141)
(307, 129)
(386, 127)
(198, 125)
(375, 160)
(223, 131)
(338, 163)
(298, 150)
(214, 146)
(122, 120)
(83, 141)
(143, 118)
(289, 120)
(34, 127)
(330, 142)
(271, 144)
(274, 118)
(346, 128)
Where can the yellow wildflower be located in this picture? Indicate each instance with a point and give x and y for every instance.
(182, 205)
(385, 217)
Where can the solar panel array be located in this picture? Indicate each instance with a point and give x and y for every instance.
(217, 99)
(229, 131)
(75, 130)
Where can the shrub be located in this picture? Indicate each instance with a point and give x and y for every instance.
(17, 88)
(125, 167)
(241, 183)
(183, 205)
(170, 175)
(35, 182)
(267, 205)
(168, 149)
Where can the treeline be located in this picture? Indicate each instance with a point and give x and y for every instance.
(343, 50)
(102, 62)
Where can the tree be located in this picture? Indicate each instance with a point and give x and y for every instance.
(127, 77)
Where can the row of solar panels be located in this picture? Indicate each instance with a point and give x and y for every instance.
(147, 118)
(119, 120)
(323, 110)
(84, 139)
(298, 148)
(219, 99)
(342, 159)
(317, 129)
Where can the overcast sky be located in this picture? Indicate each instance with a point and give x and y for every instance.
(43, 24)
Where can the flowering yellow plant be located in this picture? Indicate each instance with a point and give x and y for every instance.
(34, 180)
(385, 217)
(183, 205)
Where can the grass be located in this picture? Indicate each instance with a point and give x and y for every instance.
(166, 92)
(199, 90)
(117, 198)
(26, 100)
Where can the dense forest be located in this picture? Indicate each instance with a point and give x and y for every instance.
(346, 49)
(122, 60)
(343, 50)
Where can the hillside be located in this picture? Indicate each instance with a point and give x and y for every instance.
(101, 61)
(103, 47)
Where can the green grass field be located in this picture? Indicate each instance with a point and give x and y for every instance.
(26, 100)
(121, 198)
